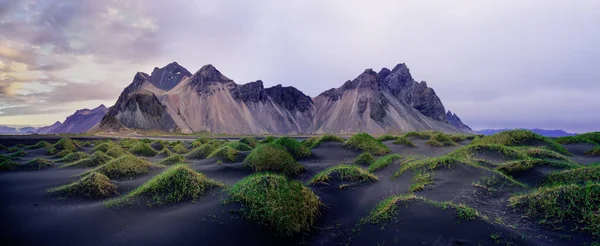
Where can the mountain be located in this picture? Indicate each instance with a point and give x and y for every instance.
(454, 120)
(172, 99)
(543, 132)
(7, 130)
(48, 129)
(81, 121)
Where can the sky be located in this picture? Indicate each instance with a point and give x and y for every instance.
(496, 64)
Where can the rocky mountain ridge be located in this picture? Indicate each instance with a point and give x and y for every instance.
(172, 99)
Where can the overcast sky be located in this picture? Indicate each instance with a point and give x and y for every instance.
(497, 64)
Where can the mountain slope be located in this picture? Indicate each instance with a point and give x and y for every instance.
(48, 129)
(171, 99)
(81, 121)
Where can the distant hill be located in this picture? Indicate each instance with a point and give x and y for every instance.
(81, 121)
(173, 99)
(543, 132)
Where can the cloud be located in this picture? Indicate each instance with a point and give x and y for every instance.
(27, 110)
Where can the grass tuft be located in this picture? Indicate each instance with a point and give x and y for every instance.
(63, 153)
(96, 159)
(37, 164)
(273, 157)
(173, 159)
(180, 149)
(556, 204)
(177, 183)
(404, 141)
(344, 172)
(226, 152)
(593, 152)
(383, 162)
(421, 179)
(205, 150)
(316, 141)
(268, 139)
(239, 146)
(522, 138)
(40, 144)
(142, 149)
(116, 152)
(165, 152)
(95, 185)
(104, 147)
(75, 156)
(250, 141)
(294, 147)
(386, 137)
(65, 144)
(440, 139)
(545, 154)
(17, 154)
(364, 142)
(283, 205)
(364, 159)
(125, 166)
(575, 176)
(6, 164)
(524, 165)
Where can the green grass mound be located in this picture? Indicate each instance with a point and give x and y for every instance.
(273, 157)
(128, 143)
(95, 185)
(226, 152)
(65, 144)
(75, 156)
(316, 141)
(63, 153)
(575, 176)
(174, 143)
(545, 154)
(201, 141)
(344, 172)
(250, 141)
(40, 144)
(522, 138)
(524, 165)
(588, 138)
(145, 140)
(142, 149)
(103, 147)
(180, 149)
(96, 159)
(364, 159)
(268, 139)
(158, 145)
(283, 205)
(173, 159)
(116, 152)
(165, 152)
(386, 210)
(474, 149)
(177, 183)
(364, 142)
(125, 166)
(440, 139)
(17, 154)
(386, 137)
(294, 147)
(558, 204)
(37, 164)
(383, 162)
(429, 164)
(6, 164)
(593, 152)
(205, 150)
(12, 149)
(422, 135)
(403, 141)
(239, 146)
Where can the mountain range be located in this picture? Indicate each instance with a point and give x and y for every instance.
(81, 121)
(173, 99)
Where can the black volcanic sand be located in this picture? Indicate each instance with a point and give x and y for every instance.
(32, 216)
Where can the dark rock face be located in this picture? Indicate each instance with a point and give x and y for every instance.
(250, 92)
(207, 75)
(143, 110)
(290, 97)
(169, 76)
(454, 120)
(400, 83)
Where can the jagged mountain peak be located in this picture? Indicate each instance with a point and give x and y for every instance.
(169, 76)
(208, 74)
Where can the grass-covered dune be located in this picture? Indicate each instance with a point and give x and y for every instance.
(125, 166)
(365, 142)
(250, 141)
(75, 156)
(316, 141)
(556, 205)
(175, 184)
(587, 138)
(142, 149)
(205, 150)
(94, 185)
(273, 157)
(343, 172)
(284, 206)
(524, 165)
(37, 164)
(172, 159)
(294, 147)
(96, 159)
(522, 138)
